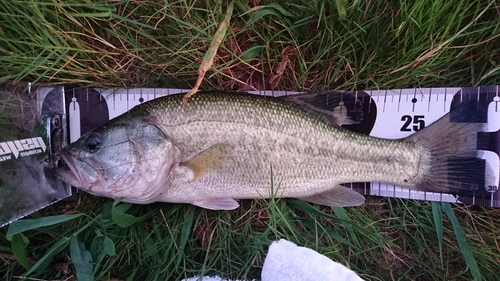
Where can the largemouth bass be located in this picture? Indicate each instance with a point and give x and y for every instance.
(223, 147)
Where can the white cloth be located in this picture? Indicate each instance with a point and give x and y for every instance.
(287, 261)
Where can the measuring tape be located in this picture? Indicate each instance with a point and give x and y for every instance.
(389, 114)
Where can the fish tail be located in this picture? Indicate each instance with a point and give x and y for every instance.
(455, 167)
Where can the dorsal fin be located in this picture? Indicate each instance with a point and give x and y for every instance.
(339, 107)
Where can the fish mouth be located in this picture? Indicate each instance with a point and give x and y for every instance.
(70, 173)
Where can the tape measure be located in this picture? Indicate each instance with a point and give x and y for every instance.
(389, 114)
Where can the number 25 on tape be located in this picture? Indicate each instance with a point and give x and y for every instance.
(417, 121)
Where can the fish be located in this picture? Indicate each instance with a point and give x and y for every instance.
(223, 147)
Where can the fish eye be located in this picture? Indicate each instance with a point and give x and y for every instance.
(92, 142)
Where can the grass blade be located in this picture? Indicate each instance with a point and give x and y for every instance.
(438, 224)
(341, 8)
(251, 52)
(30, 224)
(43, 262)
(82, 260)
(344, 218)
(462, 241)
(185, 231)
(19, 250)
(121, 218)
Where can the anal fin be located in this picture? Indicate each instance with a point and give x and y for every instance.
(338, 196)
(224, 203)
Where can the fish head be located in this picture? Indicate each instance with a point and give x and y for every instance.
(128, 159)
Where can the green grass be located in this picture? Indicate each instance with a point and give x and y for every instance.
(384, 44)
(387, 239)
(378, 44)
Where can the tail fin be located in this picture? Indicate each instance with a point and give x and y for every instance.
(455, 167)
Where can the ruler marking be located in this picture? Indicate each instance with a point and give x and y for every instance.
(74, 99)
(385, 100)
(399, 100)
(429, 101)
(87, 96)
(414, 99)
(370, 101)
(128, 98)
(496, 99)
(356, 97)
(100, 101)
(100, 97)
(445, 96)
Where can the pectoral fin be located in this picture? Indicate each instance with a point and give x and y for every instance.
(338, 196)
(217, 203)
(206, 161)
